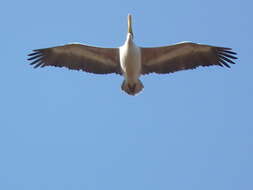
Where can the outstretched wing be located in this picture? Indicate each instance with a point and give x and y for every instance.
(184, 56)
(78, 57)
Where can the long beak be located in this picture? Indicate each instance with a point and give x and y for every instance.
(130, 30)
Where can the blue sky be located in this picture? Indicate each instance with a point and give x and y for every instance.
(64, 130)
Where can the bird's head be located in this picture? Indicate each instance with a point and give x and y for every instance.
(130, 30)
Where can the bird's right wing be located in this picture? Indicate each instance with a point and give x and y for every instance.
(78, 57)
(183, 56)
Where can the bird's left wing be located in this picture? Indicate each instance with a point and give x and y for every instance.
(183, 56)
(78, 57)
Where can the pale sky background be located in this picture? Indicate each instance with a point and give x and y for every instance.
(69, 130)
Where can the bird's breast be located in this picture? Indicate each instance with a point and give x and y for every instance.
(130, 61)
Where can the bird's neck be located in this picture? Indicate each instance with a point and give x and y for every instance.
(129, 39)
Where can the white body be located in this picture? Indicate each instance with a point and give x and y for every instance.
(130, 61)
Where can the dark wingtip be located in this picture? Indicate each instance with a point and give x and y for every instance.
(36, 61)
(224, 63)
(229, 52)
(226, 59)
(224, 48)
(37, 57)
(34, 57)
(225, 56)
(34, 53)
(38, 64)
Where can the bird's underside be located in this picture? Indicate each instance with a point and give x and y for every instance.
(162, 60)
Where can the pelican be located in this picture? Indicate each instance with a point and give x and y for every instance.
(132, 61)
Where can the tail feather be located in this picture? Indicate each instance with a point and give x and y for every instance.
(132, 88)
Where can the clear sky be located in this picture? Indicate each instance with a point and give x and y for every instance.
(69, 130)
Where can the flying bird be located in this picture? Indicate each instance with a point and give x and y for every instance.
(132, 61)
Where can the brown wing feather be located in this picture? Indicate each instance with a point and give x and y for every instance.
(184, 56)
(78, 57)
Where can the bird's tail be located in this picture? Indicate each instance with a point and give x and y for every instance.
(132, 89)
